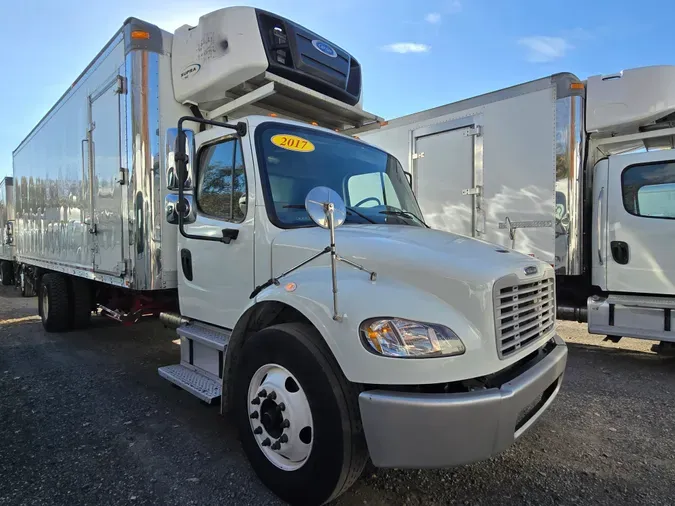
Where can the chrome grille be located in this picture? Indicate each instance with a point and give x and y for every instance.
(524, 312)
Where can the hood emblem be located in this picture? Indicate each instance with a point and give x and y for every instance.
(530, 270)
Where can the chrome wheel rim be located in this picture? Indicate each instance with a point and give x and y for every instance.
(280, 417)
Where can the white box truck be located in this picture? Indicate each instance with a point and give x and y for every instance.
(7, 262)
(193, 175)
(579, 174)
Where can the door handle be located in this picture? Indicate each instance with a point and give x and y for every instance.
(620, 252)
(599, 224)
(186, 263)
(229, 235)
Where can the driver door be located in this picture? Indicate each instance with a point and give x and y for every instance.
(215, 279)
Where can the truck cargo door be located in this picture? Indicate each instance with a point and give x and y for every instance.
(105, 187)
(640, 238)
(447, 175)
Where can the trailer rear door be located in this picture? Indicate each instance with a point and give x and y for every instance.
(448, 175)
(106, 190)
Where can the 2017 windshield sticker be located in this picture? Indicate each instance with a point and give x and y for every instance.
(292, 143)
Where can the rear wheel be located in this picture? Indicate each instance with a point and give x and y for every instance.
(54, 303)
(81, 302)
(297, 415)
(6, 273)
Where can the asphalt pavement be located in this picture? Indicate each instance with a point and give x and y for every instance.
(86, 420)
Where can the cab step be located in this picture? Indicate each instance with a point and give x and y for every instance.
(200, 385)
(207, 335)
(202, 353)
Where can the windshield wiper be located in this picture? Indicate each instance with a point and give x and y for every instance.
(407, 214)
(350, 210)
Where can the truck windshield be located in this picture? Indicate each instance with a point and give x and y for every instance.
(293, 160)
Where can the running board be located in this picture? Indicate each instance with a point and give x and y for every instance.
(640, 317)
(202, 354)
(199, 385)
(210, 337)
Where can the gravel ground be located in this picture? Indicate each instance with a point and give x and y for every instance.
(85, 419)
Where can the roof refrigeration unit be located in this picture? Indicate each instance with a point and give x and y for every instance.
(253, 61)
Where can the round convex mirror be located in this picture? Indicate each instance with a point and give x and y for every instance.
(317, 202)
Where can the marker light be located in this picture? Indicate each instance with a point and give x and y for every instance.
(140, 34)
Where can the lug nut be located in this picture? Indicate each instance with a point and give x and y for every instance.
(283, 438)
(272, 396)
(254, 415)
(262, 393)
(266, 442)
(255, 401)
(285, 424)
(281, 406)
(276, 446)
(257, 431)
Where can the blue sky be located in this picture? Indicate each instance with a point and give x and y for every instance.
(415, 54)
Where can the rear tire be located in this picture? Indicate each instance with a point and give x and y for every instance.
(81, 299)
(54, 304)
(6, 273)
(338, 451)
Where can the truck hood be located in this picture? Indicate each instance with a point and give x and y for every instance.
(457, 269)
(405, 250)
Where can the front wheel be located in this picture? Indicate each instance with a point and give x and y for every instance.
(297, 415)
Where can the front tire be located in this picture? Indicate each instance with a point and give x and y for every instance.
(313, 449)
(54, 303)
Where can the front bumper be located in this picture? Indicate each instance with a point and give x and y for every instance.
(426, 430)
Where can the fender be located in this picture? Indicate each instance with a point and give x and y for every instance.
(308, 294)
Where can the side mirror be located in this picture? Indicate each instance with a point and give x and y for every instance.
(171, 172)
(242, 204)
(324, 205)
(171, 209)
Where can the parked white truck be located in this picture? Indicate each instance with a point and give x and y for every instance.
(579, 174)
(7, 231)
(194, 174)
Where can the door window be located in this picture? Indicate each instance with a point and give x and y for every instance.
(221, 192)
(649, 190)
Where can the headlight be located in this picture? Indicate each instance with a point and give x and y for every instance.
(395, 337)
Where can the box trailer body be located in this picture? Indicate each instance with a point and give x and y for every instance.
(541, 168)
(191, 176)
(486, 166)
(89, 176)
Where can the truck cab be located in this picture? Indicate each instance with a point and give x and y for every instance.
(632, 176)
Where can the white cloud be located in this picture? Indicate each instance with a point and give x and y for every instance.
(542, 49)
(433, 17)
(406, 47)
